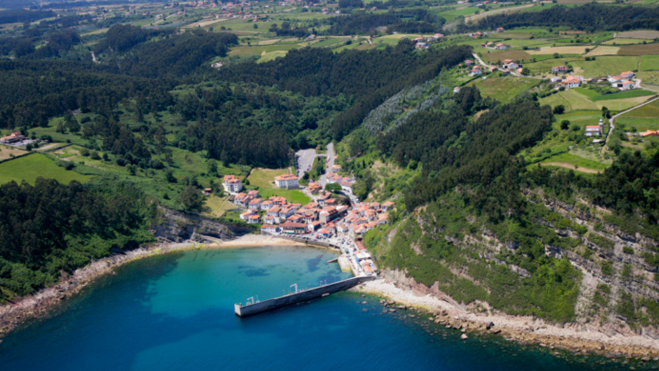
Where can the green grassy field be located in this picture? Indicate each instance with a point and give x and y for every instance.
(217, 206)
(30, 167)
(580, 162)
(590, 94)
(574, 100)
(607, 65)
(544, 66)
(649, 110)
(291, 195)
(504, 89)
(649, 63)
(254, 51)
(571, 100)
(264, 179)
(623, 95)
(640, 123)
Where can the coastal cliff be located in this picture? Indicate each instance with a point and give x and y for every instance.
(571, 278)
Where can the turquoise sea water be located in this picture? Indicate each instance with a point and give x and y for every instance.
(175, 312)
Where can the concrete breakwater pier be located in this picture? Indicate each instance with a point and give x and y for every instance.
(299, 296)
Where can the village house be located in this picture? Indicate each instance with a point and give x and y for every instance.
(328, 214)
(628, 85)
(314, 226)
(501, 46)
(323, 196)
(266, 205)
(456, 90)
(499, 29)
(469, 62)
(383, 218)
(246, 214)
(387, 205)
(255, 204)
(571, 82)
(595, 130)
(555, 79)
(13, 137)
(269, 219)
(268, 228)
(650, 133)
(293, 228)
(232, 184)
(242, 199)
(347, 185)
(510, 65)
(335, 168)
(559, 69)
(314, 188)
(253, 219)
(287, 181)
(476, 71)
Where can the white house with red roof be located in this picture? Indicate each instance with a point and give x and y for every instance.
(287, 181)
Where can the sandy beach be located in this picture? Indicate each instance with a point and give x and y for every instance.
(255, 240)
(577, 338)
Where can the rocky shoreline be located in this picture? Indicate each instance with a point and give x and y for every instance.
(44, 301)
(478, 318)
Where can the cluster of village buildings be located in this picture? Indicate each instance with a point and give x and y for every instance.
(424, 42)
(13, 138)
(623, 81)
(326, 216)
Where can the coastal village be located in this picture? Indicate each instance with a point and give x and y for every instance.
(329, 219)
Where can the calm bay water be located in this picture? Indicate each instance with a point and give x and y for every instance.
(175, 312)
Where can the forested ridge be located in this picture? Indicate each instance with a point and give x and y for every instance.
(371, 76)
(413, 21)
(589, 17)
(51, 229)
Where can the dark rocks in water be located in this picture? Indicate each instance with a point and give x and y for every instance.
(489, 325)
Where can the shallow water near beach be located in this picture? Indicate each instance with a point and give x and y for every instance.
(175, 312)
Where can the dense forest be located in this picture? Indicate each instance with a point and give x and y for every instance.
(589, 17)
(51, 229)
(371, 77)
(416, 20)
(456, 149)
(22, 15)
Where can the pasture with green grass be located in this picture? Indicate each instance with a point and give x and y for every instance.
(504, 89)
(29, 168)
(264, 179)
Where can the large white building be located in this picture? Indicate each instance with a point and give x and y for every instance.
(287, 181)
(232, 184)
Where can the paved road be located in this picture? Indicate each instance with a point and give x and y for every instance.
(613, 120)
(305, 159)
(329, 164)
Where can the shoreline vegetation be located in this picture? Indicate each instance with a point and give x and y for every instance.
(441, 309)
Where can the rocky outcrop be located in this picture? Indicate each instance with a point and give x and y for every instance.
(179, 227)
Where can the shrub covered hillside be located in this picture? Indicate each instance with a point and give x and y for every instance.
(482, 226)
(50, 229)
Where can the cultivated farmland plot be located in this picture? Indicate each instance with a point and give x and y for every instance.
(561, 50)
(604, 50)
(642, 34)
